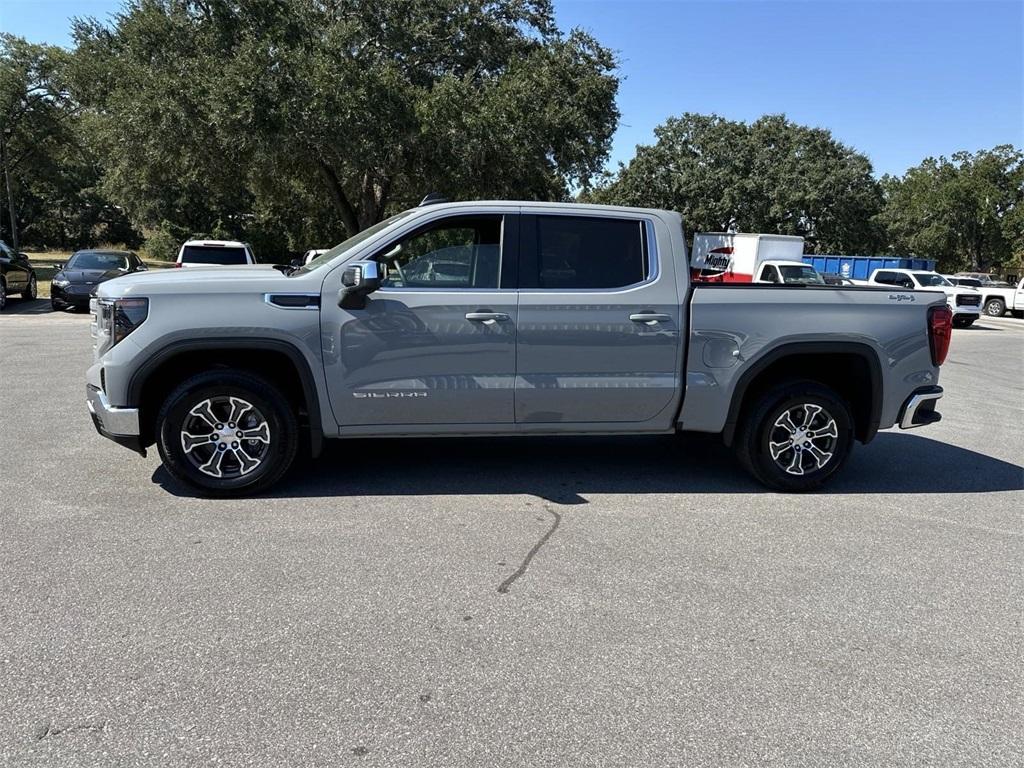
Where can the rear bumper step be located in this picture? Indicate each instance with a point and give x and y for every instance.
(919, 409)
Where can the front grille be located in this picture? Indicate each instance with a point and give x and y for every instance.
(965, 300)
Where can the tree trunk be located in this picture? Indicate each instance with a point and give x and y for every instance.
(374, 199)
(10, 196)
(348, 214)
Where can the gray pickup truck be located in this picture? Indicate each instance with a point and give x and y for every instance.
(504, 318)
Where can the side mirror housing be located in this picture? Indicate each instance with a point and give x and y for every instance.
(359, 279)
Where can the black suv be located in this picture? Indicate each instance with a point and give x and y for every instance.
(16, 275)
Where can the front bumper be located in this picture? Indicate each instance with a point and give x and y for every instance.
(919, 409)
(118, 424)
(70, 297)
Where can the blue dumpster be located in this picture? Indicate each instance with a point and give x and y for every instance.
(861, 267)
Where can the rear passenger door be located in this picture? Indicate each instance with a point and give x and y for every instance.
(599, 321)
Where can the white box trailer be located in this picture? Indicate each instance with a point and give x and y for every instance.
(735, 257)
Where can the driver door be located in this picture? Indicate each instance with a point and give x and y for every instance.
(436, 343)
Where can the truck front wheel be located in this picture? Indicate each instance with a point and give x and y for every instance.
(795, 436)
(227, 433)
(995, 307)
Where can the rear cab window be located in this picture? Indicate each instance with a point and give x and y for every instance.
(583, 253)
(213, 254)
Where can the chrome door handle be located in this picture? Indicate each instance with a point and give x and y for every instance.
(650, 318)
(487, 317)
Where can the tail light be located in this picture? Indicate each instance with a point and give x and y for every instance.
(940, 331)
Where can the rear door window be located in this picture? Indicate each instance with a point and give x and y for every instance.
(212, 254)
(583, 253)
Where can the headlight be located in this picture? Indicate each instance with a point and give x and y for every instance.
(119, 317)
(61, 282)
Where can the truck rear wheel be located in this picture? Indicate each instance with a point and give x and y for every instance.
(795, 436)
(227, 433)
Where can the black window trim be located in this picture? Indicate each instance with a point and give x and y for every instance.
(649, 244)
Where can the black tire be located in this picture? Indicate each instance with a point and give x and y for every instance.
(57, 306)
(273, 456)
(30, 293)
(3, 294)
(995, 307)
(754, 439)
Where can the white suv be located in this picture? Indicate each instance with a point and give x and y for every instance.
(964, 302)
(205, 253)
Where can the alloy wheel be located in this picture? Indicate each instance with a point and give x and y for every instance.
(803, 439)
(225, 437)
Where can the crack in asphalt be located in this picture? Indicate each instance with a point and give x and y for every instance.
(49, 729)
(504, 587)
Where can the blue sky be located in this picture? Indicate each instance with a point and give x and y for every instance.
(897, 80)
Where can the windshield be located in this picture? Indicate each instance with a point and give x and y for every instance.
(794, 275)
(213, 254)
(352, 242)
(104, 261)
(931, 280)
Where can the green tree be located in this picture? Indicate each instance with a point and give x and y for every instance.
(967, 211)
(768, 176)
(50, 178)
(213, 107)
(33, 115)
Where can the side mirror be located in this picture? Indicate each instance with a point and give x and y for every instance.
(141, 268)
(296, 262)
(359, 280)
(58, 267)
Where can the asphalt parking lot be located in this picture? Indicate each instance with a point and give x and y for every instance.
(574, 602)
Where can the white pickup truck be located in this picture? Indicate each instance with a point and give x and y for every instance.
(963, 302)
(996, 299)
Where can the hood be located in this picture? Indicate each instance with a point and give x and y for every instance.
(204, 280)
(89, 276)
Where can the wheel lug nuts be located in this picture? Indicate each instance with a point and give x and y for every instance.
(221, 446)
(234, 445)
(219, 426)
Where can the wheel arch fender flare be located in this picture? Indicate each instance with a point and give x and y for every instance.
(141, 376)
(809, 348)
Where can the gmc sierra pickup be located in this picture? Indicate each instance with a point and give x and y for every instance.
(503, 318)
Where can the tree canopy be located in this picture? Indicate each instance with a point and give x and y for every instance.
(293, 123)
(49, 177)
(966, 211)
(771, 175)
(212, 109)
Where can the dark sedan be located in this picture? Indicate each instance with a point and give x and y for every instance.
(75, 282)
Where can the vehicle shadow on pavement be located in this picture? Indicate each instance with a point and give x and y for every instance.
(22, 307)
(565, 470)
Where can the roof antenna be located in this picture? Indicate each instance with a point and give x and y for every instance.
(433, 198)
